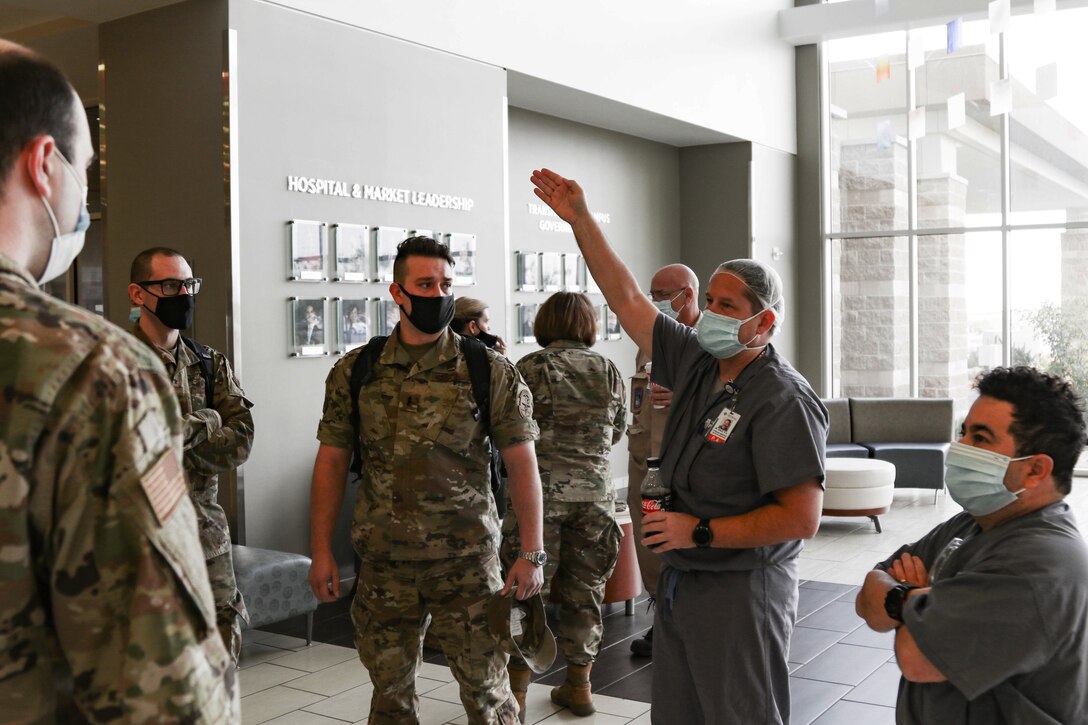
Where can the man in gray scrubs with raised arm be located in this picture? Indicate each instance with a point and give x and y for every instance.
(990, 608)
(743, 451)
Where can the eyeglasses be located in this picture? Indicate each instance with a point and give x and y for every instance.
(661, 295)
(172, 287)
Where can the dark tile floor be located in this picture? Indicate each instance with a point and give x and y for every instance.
(842, 672)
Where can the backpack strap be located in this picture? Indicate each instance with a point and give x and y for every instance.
(206, 363)
(362, 372)
(479, 374)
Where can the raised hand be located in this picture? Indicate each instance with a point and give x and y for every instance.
(564, 196)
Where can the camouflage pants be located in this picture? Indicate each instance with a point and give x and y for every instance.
(230, 610)
(582, 539)
(391, 609)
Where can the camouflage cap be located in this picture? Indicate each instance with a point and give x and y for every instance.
(521, 627)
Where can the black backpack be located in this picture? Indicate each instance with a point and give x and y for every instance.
(206, 370)
(479, 373)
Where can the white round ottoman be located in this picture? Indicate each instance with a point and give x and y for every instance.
(858, 487)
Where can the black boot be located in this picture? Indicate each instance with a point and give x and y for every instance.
(644, 646)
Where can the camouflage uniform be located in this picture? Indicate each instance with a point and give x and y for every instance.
(643, 441)
(218, 437)
(105, 610)
(425, 523)
(578, 401)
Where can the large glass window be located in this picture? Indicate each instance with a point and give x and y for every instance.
(957, 198)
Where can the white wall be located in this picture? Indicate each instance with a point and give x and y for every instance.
(717, 64)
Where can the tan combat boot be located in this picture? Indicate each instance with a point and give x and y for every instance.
(519, 684)
(575, 692)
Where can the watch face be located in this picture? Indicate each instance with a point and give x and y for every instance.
(701, 535)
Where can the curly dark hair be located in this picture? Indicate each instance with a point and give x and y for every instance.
(1048, 416)
(418, 247)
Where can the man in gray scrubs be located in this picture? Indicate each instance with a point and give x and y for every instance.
(743, 451)
(990, 608)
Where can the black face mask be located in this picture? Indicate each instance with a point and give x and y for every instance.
(175, 312)
(488, 339)
(429, 314)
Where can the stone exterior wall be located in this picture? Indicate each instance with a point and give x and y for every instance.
(871, 313)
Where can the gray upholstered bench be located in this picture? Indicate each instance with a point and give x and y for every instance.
(275, 586)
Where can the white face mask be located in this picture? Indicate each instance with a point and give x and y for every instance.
(665, 306)
(65, 247)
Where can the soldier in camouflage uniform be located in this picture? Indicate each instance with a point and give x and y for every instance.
(578, 402)
(218, 425)
(105, 610)
(674, 290)
(425, 524)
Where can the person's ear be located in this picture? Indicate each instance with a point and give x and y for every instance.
(766, 322)
(472, 328)
(136, 294)
(1039, 469)
(38, 157)
(397, 293)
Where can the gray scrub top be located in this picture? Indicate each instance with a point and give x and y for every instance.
(1005, 622)
(777, 443)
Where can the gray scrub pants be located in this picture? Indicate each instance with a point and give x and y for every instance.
(721, 644)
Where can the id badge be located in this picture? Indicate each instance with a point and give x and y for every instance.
(723, 426)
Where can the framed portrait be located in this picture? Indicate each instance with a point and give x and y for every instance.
(528, 264)
(352, 245)
(388, 316)
(463, 249)
(526, 317)
(551, 271)
(602, 322)
(612, 324)
(572, 279)
(354, 327)
(307, 245)
(386, 240)
(306, 316)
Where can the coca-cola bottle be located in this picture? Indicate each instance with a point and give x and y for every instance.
(656, 495)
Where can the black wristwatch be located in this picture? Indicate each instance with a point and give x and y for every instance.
(702, 535)
(893, 600)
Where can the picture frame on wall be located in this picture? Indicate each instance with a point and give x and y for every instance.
(306, 320)
(572, 281)
(354, 318)
(307, 244)
(602, 322)
(612, 324)
(528, 268)
(551, 271)
(463, 250)
(352, 252)
(386, 240)
(526, 316)
(388, 316)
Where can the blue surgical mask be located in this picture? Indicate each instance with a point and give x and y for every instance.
(717, 334)
(665, 306)
(976, 479)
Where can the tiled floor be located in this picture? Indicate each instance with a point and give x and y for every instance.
(841, 672)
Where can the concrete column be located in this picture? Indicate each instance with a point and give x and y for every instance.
(873, 305)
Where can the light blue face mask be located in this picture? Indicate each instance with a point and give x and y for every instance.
(665, 306)
(717, 334)
(976, 479)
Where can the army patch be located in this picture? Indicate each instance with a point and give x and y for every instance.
(525, 403)
(164, 485)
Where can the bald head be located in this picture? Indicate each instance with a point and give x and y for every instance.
(678, 283)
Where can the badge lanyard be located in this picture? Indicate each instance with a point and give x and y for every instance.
(719, 429)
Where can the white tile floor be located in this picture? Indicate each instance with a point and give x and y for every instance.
(284, 682)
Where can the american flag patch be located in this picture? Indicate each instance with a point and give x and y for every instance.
(164, 485)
